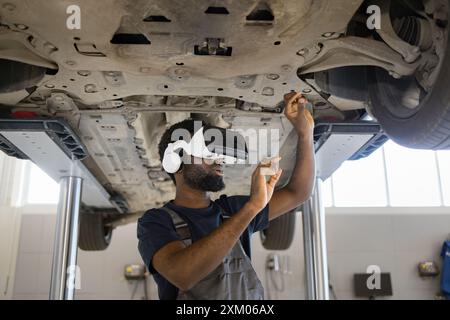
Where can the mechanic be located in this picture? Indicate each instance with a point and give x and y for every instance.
(197, 248)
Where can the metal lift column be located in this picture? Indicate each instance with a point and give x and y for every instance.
(62, 286)
(55, 148)
(334, 144)
(315, 248)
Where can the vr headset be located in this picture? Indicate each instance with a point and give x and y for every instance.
(215, 144)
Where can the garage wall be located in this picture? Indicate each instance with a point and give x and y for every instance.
(396, 242)
(9, 239)
(101, 272)
(10, 189)
(395, 239)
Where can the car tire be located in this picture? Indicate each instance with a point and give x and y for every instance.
(425, 125)
(427, 129)
(18, 76)
(280, 233)
(94, 235)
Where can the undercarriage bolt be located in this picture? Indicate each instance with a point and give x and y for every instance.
(328, 34)
(273, 76)
(256, 109)
(49, 47)
(394, 75)
(117, 104)
(268, 91)
(90, 88)
(302, 52)
(286, 68)
(21, 27)
(84, 73)
(145, 69)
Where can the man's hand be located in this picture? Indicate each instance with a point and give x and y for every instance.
(262, 189)
(298, 115)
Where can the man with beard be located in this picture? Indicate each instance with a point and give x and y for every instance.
(200, 249)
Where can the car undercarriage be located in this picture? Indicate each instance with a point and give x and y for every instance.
(135, 67)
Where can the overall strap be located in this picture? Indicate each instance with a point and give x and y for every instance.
(181, 226)
(226, 216)
(224, 213)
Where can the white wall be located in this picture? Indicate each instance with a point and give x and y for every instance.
(395, 239)
(101, 272)
(10, 187)
(9, 238)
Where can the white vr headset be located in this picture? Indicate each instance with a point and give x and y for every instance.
(197, 148)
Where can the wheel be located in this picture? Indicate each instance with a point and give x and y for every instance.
(94, 235)
(18, 76)
(280, 233)
(415, 111)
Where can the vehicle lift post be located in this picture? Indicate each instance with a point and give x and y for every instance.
(56, 149)
(64, 266)
(315, 247)
(334, 144)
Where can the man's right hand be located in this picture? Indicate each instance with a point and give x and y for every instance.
(262, 190)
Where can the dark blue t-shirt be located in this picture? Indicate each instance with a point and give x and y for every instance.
(155, 229)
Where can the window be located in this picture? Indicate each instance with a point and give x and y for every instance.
(412, 176)
(391, 176)
(41, 188)
(444, 169)
(327, 192)
(361, 183)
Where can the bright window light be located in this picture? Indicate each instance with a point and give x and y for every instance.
(41, 189)
(361, 183)
(444, 168)
(327, 193)
(412, 176)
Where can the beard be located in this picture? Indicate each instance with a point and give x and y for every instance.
(199, 179)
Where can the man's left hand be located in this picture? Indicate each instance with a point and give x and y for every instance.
(298, 115)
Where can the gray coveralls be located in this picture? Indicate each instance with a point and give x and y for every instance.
(233, 279)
